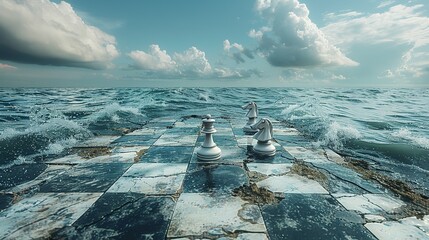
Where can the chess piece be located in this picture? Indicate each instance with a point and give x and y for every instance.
(208, 151)
(264, 147)
(252, 114)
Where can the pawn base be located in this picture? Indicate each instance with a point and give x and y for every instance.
(264, 149)
(209, 153)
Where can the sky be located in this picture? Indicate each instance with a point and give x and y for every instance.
(222, 43)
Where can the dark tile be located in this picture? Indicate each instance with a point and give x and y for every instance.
(135, 140)
(281, 156)
(217, 178)
(312, 216)
(161, 154)
(95, 177)
(5, 200)
(183, 131)
(17, 174)
(122, 216)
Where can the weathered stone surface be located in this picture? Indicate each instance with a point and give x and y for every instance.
(396, 231)
(270, 169)
(370, 203)
(176, 140)
(199, 214)
(36, 216)
(311, 216)
(123, 216)
(292, 183)
(99, 141)
(135, 140)
(18, 174)
(167, 154)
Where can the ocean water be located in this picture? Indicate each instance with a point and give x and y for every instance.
(386, 127)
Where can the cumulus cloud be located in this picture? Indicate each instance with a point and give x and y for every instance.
(192, 63)
(7, 66)
(47, 33)
(236, 51)
(291, 39)
(399, 25)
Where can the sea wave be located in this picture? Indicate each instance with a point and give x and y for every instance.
(416, 140)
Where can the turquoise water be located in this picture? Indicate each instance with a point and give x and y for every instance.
(386, 127)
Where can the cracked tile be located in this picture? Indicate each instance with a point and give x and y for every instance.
(151, 178)
(270, 169)
(370, 203)
(216, 215)
(312, 216)
(176, 140)
(291, 183)
(36, 216)
(395, 231)
(135, 140)
(127, 157)
(307, 155)
(91, 177)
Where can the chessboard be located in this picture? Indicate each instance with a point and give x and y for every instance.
(149, 184)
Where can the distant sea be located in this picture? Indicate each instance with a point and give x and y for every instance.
(385, 127)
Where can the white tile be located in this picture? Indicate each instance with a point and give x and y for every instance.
(198, 213)
(292, 183)
(270, 169)
(307, 155)
(151, 178)
(286, 132)
(395, 231)
(370, 203)
(422, 224)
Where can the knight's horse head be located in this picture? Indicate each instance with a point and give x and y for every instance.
(253, 109)
(265, 130)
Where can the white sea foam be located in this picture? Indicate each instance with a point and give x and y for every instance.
(406, 134)
(111, 112)
(18, 161)
(336, 134)
(203, 96)
(59, 146)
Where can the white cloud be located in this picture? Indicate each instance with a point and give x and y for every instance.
(191, 63)
(7, 66)
(336, 17)
(47, 33)
(386, 3)
(155, 59)
(291, 39)
(236, 51)
(399, 25)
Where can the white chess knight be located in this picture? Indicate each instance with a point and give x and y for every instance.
(264, 147)
(252, 114)
(208, 151)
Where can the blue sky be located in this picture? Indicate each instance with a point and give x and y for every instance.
(166, 43)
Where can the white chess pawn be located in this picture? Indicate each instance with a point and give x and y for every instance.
(264, 147)
(208, 151)
(252, 114)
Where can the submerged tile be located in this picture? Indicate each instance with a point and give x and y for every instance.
(99, 141)
(127, 157)
(96, 177)
(168, 154)
(36, 216)
(151, 178)
(312, 216)
(135, 140)
(216, 215)
(18, 174)
(213, 178)
(292, 183)
(395, 231)
(123, 216)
